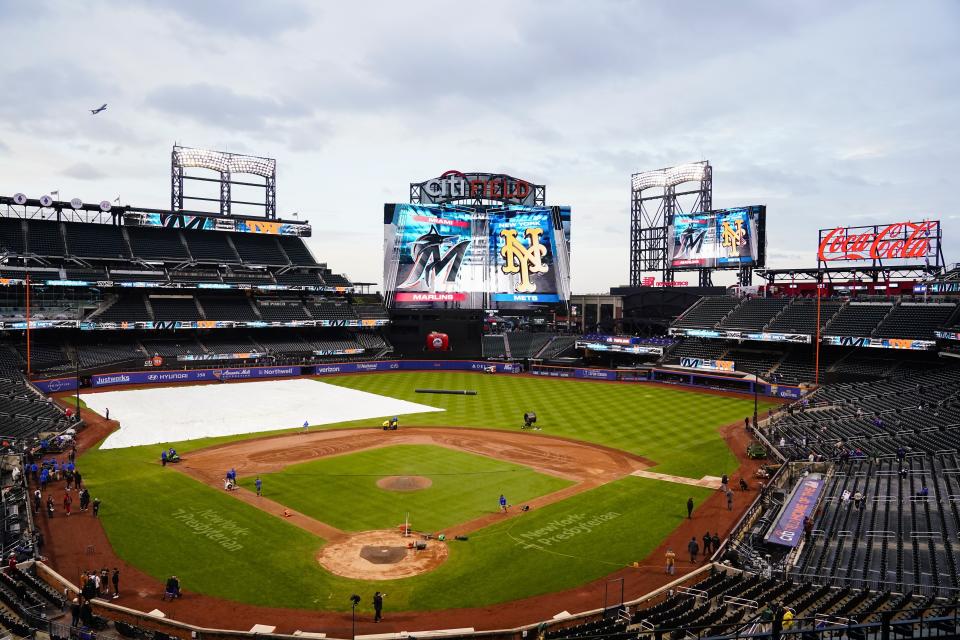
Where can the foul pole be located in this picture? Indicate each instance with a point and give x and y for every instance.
(29, 372)
(816, 365)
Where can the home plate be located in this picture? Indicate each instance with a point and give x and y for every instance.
(156, 613)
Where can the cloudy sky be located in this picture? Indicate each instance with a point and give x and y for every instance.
(827, 112)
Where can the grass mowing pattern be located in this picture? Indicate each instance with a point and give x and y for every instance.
(465, 486)
(276, 565)
(677, 428)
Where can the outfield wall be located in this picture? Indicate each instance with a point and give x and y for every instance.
(667, 376)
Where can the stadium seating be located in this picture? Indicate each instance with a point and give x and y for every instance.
(172, 347)
(156, 244)
(11, 236)
(130, 307)
(698, 348)
(724, 603)
(174, 307)
(557, 347)
(227, 308)
(44, 239)
(282, 310)
(96, 241)
(801, 316)
(754, 314)
(858, 319)
(296, 251)
(96, 355)
(915, 320)
(523, 344)
(256, 249)
(210, 247)
(494, 346)
(707, 312)
(332, 310)
(299, 278)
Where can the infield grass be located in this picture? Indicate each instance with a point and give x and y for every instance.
(464, 486)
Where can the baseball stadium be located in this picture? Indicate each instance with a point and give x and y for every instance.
(211, 433)
(213, 428)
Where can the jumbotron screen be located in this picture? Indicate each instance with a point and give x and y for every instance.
(451, 256)
(721, 239)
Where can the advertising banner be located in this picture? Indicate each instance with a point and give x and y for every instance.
(476, 256)
(725, 238)
(900, 242)
(788, 529)
(180, 220)
(196, 375)
(637, 349)
(710, 365)
(57, 384)
(880, 343)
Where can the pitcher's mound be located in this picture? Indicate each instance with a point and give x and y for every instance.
(404, 483)
(380, 555)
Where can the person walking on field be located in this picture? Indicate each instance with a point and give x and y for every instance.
(693, 548)
(377, 606)
(67, 501)
(729, 500)
(689, 508)
(115, 578)
(707, 540)
(259, 484)
(503, 503)
(715, 542)
(671, 561)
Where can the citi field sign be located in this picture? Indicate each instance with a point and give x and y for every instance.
(456, 185)
(898, 241)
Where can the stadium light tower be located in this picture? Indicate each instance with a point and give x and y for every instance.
(654, 200)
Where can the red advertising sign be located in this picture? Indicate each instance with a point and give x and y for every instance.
(898, 241)
(650, 282)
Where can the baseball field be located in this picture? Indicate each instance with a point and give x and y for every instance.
(604, 480)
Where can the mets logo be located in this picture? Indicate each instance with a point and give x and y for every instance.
(731, 238)
(520, 258)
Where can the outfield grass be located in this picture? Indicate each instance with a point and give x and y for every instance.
(157, 519)
(675, 427)
(465, 486)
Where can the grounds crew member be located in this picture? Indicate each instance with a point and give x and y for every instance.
(377, 606)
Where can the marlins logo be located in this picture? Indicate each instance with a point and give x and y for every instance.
(429, 264)
(522, 259)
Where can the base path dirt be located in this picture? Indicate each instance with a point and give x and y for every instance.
(78, 543)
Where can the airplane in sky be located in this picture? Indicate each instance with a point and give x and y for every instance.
(103, 107)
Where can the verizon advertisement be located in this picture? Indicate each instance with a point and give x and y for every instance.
(901, 242)
(476, 257)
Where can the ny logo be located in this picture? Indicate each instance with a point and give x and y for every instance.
(522, 259)
(731, 238)
(429, 264)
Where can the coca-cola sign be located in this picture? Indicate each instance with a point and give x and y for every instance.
(914, 241)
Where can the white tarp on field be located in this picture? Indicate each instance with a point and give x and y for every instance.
(169, 414)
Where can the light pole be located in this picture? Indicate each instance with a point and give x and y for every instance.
(354, 601)
(756, 379)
